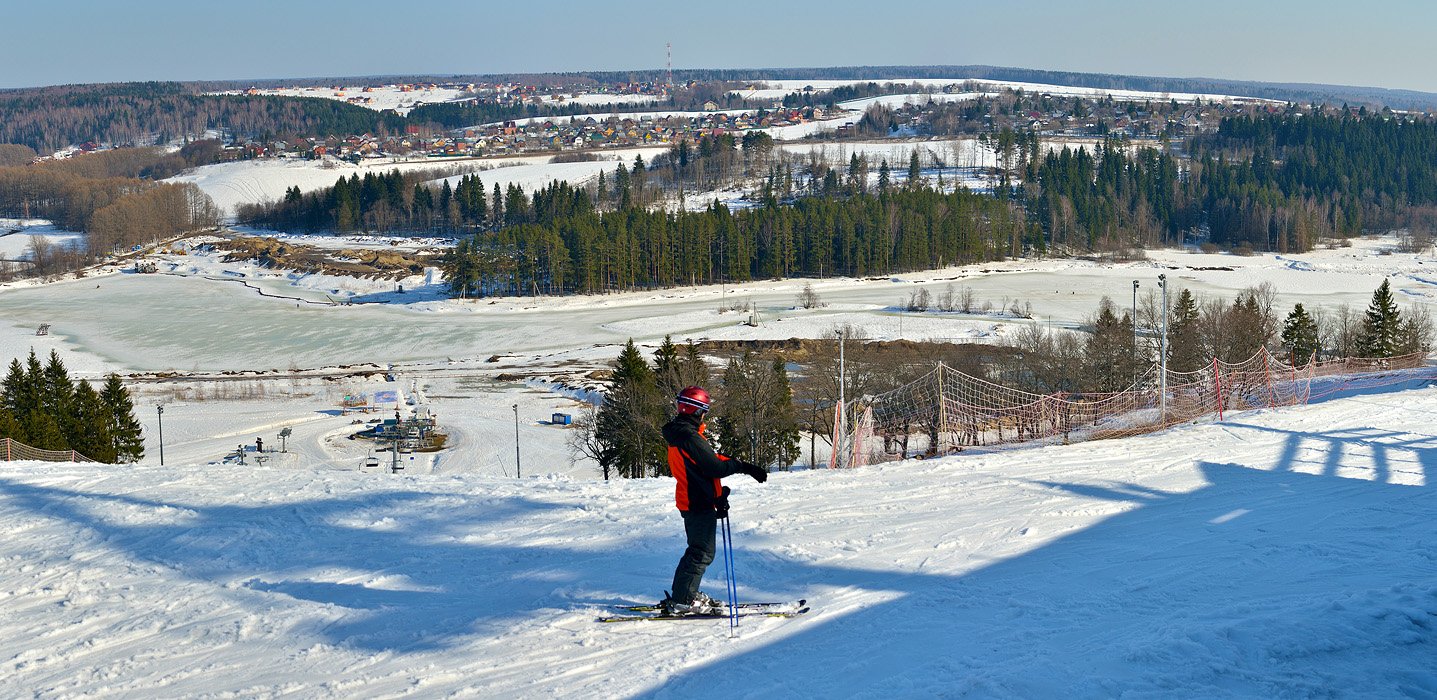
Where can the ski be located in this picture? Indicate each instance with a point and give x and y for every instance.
(706, 616)
(770, 607)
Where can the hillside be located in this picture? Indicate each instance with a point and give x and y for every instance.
(1279, 553)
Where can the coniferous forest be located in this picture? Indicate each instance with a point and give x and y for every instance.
(1271, 183)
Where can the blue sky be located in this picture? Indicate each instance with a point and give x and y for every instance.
(69, 41)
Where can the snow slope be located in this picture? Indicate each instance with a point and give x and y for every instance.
(1278, 554)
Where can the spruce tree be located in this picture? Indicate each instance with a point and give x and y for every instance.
(14, 396)
(1185, 345)
(631, 445)
(43, 432)
(1108, 352)
(1300, 337)
(127, 438)
(31, 404)
(9, 427)
(58, 392)
(88, 427)
(1381, 325)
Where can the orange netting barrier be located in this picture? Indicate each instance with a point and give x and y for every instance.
(13, 451)
(947, 411)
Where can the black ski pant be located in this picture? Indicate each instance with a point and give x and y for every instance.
(700, 527)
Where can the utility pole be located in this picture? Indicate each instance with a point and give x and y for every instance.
(518, 474)
(160, 414)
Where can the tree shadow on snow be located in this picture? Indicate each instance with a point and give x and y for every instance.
(1289, 579)
(405, 571)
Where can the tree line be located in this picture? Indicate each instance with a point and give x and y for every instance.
(42, 407)
(47, 119)
(1113, 355)
(882, 233)
(1262, 182)
(395, 201)
(104, 196)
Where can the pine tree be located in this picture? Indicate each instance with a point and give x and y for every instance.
(1300, 337)
(126, 436)
(88, 429)
(628, 421)
(1381, 325)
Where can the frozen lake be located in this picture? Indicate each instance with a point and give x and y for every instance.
(162, 322)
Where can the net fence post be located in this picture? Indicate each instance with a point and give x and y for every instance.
(942, 411)
(1217, 384)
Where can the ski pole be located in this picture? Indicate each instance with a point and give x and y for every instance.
(732, 582)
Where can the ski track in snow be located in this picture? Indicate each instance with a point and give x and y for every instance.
(1279, 553)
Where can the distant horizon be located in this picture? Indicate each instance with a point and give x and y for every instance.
(857, 75)
(1299, 42)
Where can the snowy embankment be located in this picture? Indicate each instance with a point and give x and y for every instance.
(1278, 553)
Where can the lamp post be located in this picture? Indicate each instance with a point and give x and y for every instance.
(160, 416)
(1135, 318)
(518, 474)
(1163, 354)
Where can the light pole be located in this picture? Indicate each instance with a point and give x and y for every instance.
(1163, 354)
(1135, 317)
(160, 416)
(518, 474)
(1134, 320)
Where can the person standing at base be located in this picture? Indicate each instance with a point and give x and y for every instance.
(701, 498)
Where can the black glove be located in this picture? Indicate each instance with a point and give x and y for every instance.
(721, 505)
(758, 473)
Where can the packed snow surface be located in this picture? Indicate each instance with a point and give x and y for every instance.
(1279, 553)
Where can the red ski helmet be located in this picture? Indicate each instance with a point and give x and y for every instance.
(692, 399)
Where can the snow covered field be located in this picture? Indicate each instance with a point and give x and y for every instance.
(16, 234)
(1277, 554)
(241, 182)
(378, 98)
(778, 89)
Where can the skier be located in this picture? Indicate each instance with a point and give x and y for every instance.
(700, 497)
